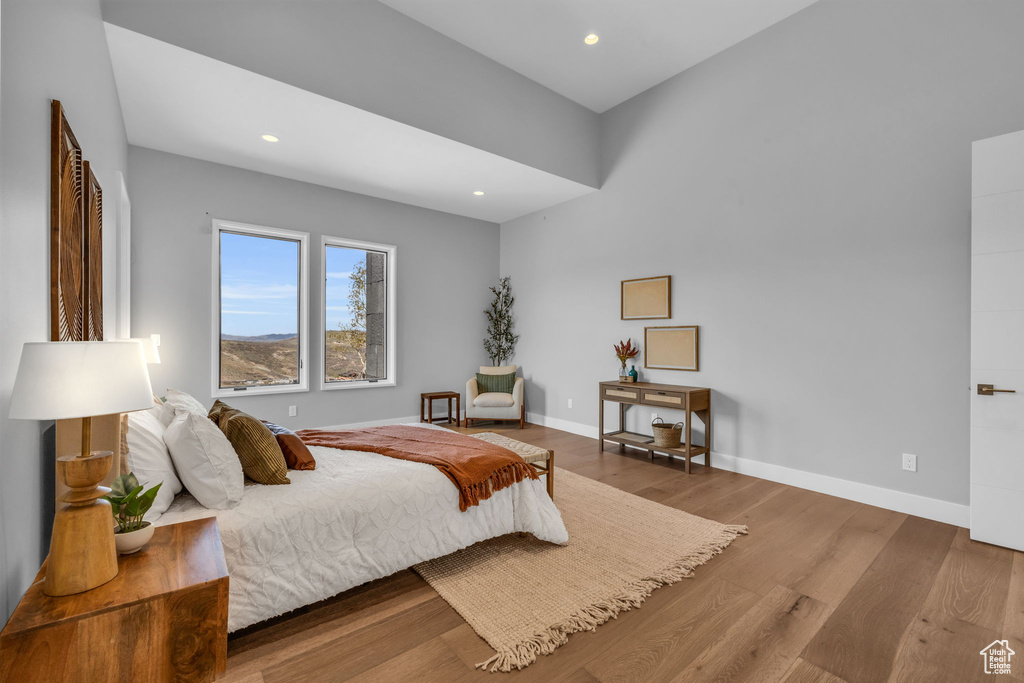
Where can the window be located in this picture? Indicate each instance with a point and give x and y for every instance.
(259, 309)
(358, 314)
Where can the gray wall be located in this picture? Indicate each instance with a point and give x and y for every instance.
(50, 49)
(445, 264)
(365, 54)
(809, 192)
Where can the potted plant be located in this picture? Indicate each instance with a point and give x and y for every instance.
(129, 503)
(501, 339)
(624, 351)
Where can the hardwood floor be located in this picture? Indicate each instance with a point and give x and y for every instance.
(822, 590)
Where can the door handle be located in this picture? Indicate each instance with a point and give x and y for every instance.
(990, 390)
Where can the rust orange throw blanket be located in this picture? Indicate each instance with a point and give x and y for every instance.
(477, 468)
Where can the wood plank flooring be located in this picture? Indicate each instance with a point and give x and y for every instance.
(823, 590)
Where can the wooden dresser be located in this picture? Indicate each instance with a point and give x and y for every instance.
(162, 618)
(691, 400)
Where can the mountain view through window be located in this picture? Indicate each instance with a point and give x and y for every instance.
(259, 311)
(354, 314)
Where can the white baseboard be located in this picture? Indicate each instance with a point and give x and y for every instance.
(890, 499)
(564, 425)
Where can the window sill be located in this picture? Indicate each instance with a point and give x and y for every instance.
(359, 384)
(261, 391)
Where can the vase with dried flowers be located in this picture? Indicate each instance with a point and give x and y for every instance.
(624, 351)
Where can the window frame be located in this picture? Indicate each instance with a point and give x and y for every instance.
(392, 315)
(302, 238)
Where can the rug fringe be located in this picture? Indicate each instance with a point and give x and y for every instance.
(589, 618)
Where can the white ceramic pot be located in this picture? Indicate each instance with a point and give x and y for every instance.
(133, 541)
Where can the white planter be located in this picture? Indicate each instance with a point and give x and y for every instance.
(133, 541)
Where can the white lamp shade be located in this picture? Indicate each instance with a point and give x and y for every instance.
(60, 380)
(149, 348)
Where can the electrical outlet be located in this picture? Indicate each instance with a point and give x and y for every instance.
(910, 462)
(293, 411)
(570, 403)
(156, 339)
(654, 416)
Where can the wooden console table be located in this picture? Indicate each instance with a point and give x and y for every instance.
(691, 400)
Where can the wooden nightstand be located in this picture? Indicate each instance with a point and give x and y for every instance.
(162, 618)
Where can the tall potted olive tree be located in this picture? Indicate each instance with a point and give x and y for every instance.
(500, 342)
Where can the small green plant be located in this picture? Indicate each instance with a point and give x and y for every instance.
(128, 502)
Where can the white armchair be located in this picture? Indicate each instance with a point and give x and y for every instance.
(496, 405)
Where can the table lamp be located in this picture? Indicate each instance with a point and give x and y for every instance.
(61, 380)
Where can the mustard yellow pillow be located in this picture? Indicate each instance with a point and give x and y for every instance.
(257, 448)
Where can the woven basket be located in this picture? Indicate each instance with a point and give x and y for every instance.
(666, 435)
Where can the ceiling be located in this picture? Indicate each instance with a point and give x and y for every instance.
(179, 101)
(642, 42)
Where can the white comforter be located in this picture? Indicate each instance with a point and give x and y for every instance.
(357, 517)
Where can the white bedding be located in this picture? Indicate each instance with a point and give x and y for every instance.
(357, 517)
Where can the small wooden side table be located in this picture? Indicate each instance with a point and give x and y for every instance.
(428, 399)
(162, 618)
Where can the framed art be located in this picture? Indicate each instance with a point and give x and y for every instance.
(671, 348)
(67, 235)
(648, 298)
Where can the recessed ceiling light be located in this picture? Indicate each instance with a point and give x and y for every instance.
(591, 39)
(269, 138)
(479, 193)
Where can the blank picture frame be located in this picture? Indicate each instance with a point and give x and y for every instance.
(672, 348)
(646, 298)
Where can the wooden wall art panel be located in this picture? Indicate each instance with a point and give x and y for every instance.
(67, 283)
(93, 257)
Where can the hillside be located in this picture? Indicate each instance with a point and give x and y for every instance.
(273, 358)
(260, 338)
(261, 362)
(343, 355)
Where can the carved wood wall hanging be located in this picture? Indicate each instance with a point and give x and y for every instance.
(93, 257)
(67, 282)
(76, 238)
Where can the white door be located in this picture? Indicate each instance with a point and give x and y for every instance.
(997, 341)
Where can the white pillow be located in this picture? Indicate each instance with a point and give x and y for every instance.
(148, 458)
(178, 401)
(206, 463)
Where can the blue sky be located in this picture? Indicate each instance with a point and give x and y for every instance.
(259, 282)
(259, 285)
(340, 262)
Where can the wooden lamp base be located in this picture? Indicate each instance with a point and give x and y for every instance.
(82, 552)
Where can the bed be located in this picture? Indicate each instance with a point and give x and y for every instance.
(357, 517)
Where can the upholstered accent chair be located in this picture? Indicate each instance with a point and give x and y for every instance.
(494, 405)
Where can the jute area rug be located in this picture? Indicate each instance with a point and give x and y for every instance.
(524, 596)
